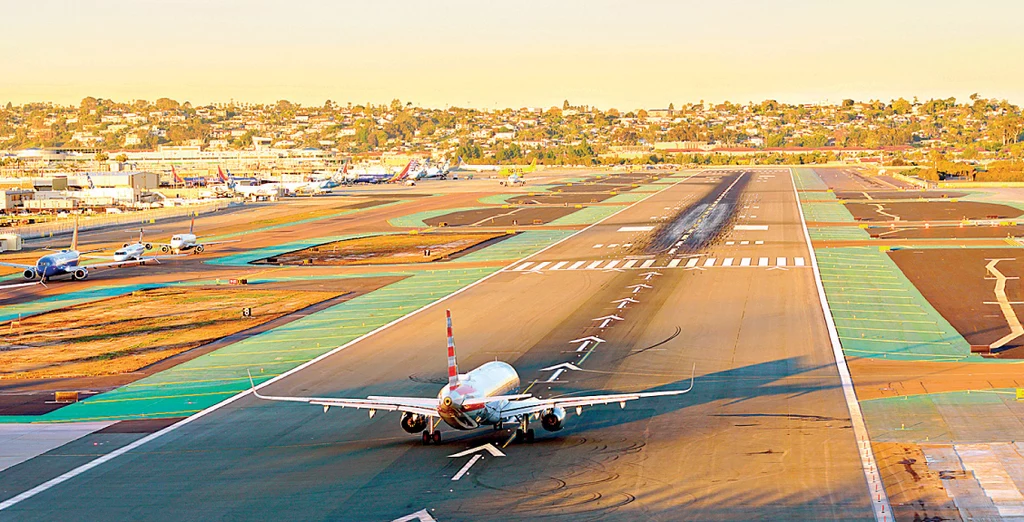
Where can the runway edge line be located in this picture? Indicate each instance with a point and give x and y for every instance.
(60, 479)
(880, 502)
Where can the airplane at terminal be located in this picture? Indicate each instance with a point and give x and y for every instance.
(487, 395)
(183, 242)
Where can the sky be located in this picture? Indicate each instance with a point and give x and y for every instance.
(622, 54)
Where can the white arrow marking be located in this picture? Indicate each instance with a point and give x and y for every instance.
(465, 469)
(489, 448)
(555, 375)
(626, 300)
(641, 285)
(591, 338)
(623, 304)
(420, 515)
(614, 317)
(564, 366)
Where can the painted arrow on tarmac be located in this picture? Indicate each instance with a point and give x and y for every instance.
(421, 515)
(594, 338)
(615, 317)
(650, 274)
(567, 366)
(489, 448)
(626, 300)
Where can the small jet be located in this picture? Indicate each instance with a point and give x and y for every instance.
(487, 395)
(184, 242)
(135, 253)
(516, 175)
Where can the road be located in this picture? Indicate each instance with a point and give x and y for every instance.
(765, 434)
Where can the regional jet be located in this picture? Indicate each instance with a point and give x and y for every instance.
(181, 242)
(488, 395)
(134, 253)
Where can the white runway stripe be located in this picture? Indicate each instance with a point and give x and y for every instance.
(576, 265)
(692, 262)
(745, 261)
(629, 264)
(762, 261)
(541, 265)
(647, 264)
(593, 265)
(559, 265)
(727, 261)
(674, 263)
(522, 266)
(709, 262)
(780, 261)
(799, 261)
(611, 264)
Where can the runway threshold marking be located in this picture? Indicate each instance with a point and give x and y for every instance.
(873, 481)
(64, 477)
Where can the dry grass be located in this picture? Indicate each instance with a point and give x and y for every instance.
(126, 333)
(389, 249)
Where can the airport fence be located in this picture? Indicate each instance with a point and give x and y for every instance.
(66, 225)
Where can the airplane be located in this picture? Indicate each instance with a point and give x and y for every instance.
(431, 172)
(487, 395)
(401, 176)
(193, 181)
(180, 242)
(135, 253)
(61, 263)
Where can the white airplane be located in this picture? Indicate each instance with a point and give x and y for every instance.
(487, 395)
(182, 242)
(135, 253)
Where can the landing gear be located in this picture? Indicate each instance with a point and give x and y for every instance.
(431, 435)
(436, 437)
(525, 432)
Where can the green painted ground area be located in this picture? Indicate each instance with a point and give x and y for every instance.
(497, 199)
(522, 244)
(953, 417)
(629, 197)
(823, 211)
(300, 222)
(416, 220)
(648, 187)
(879, 313)
(588, 215)
(542, 188)
(244, 258)
(817, 196)
(665, 181)
(806, 179)
(206, 380)
(838, 233)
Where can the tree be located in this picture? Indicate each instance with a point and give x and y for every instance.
(671, 107)
(565, 105)
(166, 104)
(122, 158)
(102, 156)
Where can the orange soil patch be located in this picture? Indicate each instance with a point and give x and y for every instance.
(386, 249)
(878, 378)
(125, 333)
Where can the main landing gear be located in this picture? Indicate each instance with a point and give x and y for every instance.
(525, 432)
(429, 437)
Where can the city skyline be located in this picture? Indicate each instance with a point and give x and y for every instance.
(488, 56)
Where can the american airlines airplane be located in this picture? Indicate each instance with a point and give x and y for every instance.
(488, 395)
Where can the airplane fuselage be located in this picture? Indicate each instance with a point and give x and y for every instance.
(488, 380)
(181, 242)
(56, 264)
(131, 252)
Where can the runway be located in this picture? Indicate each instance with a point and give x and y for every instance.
(765, 434)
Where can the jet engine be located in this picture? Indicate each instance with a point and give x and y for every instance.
(79, 274)
(413, 422)
(149, 246)
(552, 419)
(30, 273)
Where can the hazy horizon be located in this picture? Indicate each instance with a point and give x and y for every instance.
(604, 54)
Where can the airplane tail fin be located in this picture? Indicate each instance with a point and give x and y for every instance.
(453, 366)
(401, 175)
(192, 226)
(177, 178)
(220, 173)
(74, 236)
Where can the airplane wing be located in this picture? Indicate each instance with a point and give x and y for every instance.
(132, 261)
(16, 265)
(19, 285)
(420, 405)
(533, 405)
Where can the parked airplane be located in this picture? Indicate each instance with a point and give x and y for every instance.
(183, 242)
(487, 395)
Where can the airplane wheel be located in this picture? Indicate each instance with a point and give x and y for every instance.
(426, 438)
(437, 437)
(519, 434)
(529, 435)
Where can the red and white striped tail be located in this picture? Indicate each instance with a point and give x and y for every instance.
(453, 366)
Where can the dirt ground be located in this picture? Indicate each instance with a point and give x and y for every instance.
(956, 282)
(932, 211)
(592, 187)
(879, 378)
(126, 333)
(945, 232)
(521, 216)
(388, 249)
(900, 194)
(915, 491)
(560, 199)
